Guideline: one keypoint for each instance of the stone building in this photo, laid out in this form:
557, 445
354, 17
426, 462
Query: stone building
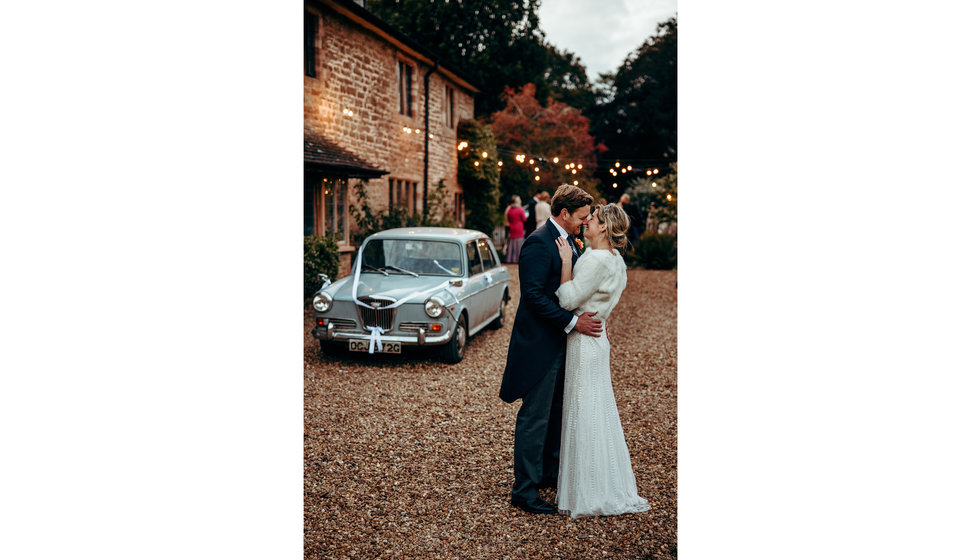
365, 90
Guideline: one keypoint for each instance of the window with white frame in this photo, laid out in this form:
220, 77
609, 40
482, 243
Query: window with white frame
405, 88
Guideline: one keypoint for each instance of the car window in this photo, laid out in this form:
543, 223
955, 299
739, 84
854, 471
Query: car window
476, 266
496, 257
485, 254
406, 256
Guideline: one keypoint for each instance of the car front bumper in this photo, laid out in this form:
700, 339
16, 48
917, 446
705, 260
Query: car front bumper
421, 338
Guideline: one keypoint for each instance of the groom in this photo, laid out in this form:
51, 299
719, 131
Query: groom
535, 369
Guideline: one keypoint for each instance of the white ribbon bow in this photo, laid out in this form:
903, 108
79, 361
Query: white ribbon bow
376, 333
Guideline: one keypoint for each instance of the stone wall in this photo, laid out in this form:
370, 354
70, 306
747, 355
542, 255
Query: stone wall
356, 71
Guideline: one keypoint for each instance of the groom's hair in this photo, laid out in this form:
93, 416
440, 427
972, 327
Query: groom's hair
570, 198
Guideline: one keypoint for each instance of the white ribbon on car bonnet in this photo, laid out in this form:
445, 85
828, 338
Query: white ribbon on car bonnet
420, 293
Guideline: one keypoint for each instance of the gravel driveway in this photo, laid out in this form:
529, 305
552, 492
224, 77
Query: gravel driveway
408, 457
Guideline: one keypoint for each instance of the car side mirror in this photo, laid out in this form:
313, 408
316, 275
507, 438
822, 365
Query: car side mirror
325, 279
456, 283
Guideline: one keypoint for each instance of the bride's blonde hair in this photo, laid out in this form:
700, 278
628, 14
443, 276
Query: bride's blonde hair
617, 224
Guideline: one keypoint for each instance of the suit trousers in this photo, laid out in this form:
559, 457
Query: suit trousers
537, 433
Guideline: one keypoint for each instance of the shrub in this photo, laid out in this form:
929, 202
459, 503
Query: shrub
320, 255
655, 251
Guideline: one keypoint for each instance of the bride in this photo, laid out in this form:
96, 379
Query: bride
595, 476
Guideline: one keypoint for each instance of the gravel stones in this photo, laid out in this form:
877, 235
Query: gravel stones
408, 457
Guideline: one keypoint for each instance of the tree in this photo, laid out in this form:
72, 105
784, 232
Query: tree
636, 116
494, 43
479, 176
540, 134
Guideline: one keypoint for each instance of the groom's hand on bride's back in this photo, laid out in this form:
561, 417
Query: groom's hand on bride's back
588, 324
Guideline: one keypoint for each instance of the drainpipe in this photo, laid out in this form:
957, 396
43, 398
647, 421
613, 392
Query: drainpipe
425, 173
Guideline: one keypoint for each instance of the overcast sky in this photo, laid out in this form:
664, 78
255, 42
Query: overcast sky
602, 32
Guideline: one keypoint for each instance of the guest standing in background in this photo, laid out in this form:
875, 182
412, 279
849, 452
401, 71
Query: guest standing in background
531, 217
515, 230
542, 210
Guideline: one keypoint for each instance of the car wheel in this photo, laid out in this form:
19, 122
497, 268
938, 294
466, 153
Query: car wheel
456, 347
325, 347
498, 323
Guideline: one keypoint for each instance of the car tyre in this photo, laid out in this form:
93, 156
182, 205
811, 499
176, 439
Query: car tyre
498, 323
325, 348
456, 347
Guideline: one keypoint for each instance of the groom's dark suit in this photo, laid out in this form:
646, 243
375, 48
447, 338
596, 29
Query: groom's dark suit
535, 370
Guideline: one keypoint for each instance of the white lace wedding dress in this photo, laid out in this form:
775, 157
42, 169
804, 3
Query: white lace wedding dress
595, 476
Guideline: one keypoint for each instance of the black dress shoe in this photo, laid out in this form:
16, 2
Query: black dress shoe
536, 505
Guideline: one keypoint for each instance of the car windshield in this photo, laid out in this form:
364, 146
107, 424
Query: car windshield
412, 257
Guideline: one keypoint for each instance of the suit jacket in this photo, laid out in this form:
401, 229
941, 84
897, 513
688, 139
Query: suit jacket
538, 338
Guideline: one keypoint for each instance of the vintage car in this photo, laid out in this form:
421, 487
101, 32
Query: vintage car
414, 287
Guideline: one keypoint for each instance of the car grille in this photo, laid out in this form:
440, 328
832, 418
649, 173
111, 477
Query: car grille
383, 318
343, 324
413, 327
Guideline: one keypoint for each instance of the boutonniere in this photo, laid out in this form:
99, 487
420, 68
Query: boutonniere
578, 242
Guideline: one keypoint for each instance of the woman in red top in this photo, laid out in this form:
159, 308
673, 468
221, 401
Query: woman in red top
515, 229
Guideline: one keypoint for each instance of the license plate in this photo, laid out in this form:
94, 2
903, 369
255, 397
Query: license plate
386, 347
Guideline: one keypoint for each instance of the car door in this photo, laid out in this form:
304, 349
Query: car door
477, 285
495, 274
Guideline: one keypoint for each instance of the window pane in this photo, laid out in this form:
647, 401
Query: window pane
342, 210
401, 90
309, 54
485, 255
308, 207
408, 90
476, 267
328, 214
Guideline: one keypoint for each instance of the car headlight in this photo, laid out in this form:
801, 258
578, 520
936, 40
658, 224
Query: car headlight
433, 307
322, 302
